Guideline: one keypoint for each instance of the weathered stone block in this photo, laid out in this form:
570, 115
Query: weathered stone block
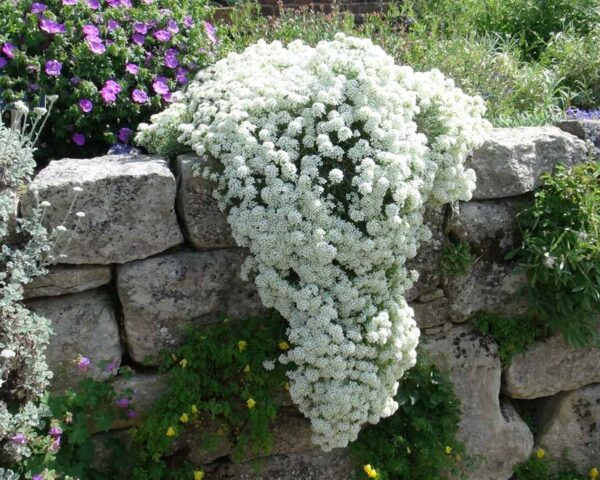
587, 130
144, 389
65, 279
165, 295
128, 201
551, 366
83, 324
511, 160
571, 428
490, 431
205, 226
431, 314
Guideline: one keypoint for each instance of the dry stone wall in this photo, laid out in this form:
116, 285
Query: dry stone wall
154, 255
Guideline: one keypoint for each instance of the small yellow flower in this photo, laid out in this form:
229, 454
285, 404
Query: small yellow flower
283, 345
594, 473
251, 403
194, 409
448, 450
540, 453
286, 386
458, 457
171, 432
198, 475
370, 471
247, 369
183, 363
184, 418
242, 344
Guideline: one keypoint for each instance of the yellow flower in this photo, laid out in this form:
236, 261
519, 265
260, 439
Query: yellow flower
448, 450
198, 475
247, 369
540, 453
458, 457
171, 432
370, 471
283, 346
183, 363
184, 418
242, 344
251, 403
194, 409
594, 473
286, 386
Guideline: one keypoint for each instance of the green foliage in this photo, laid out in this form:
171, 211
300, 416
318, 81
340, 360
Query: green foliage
561, 252
218, 378
419, 441
456, 259
538, 467
85, 72
512, 334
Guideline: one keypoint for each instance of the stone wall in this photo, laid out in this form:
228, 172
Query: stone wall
154, 255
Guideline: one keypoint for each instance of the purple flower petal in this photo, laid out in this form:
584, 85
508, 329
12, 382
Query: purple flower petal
138, 38
95, 45
9, 50
211, 32
51, 27
113, 25
126, 3
160, 85
83, 363
172, 26
132, 68
3, 62
140, 27
37, 7
93, 4
139, 96
86, 105
19, 438
75, 80
171, 61
91, 31
181, 76
69, 2
162, 35
53, 68
188, 21
123, 403
124, 134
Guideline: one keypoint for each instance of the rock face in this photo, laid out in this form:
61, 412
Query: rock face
489, 430
549, 367
128, 203
205, 226
490, 286
512, 160
143, 390
572, 428
588, 130
431, 314
83, 324
65, 279
163, 296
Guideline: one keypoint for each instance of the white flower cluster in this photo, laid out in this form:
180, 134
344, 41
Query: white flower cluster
327, 157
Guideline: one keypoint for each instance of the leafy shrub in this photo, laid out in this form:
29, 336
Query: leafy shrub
456, 259
539, 467
561, 252
418, 441
112, 62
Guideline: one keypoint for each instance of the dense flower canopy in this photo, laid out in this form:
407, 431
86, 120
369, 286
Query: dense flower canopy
324, 159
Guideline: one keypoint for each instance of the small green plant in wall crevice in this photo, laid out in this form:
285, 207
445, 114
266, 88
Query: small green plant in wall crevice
456, 259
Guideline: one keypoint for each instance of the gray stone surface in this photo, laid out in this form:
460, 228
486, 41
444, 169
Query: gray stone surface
489, 227
571, 428
83, 324
143, 389
588, 130
492, 432
65, 279
490, 286
311, 465
129, 203
205, 226
551, 366
163, 296
511, 160
431, 314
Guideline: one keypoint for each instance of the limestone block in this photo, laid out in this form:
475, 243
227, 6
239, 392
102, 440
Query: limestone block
65, 279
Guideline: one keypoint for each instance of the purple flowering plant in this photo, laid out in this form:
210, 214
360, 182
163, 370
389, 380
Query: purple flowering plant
113, 63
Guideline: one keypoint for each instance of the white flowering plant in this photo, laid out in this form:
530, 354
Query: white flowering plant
324, 159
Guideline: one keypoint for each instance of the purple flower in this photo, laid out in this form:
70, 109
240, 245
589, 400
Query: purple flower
210, 31
132, 68
3, 62
131, 414
138, 38
171, 58
38, 7
148, 2
188, 21
19, 438
51, 27
139, 96
162, 35
55, 431
109, 91
123, 403
34, 87
140, 27
167, 97
172, 26
95, 45
124, 134
54, 446
113, 25
69, 2
181, 76
91, 31
38, 476
160, 85
75, 80
86, 105
113, 3
83, 363
93, 4
126, 3
148, 58
111, 367
53, 68
9, 50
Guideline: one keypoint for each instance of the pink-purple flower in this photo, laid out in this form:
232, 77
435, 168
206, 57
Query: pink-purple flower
55, 431
139, 96
19, 438
38, 476
111, 367
188, 21
160, 85
51, 27
123, 403
86, 105
53, 68
3, 62
91, 31
162, 35
38, 7
172, 26
9, 50
83, 363
93, 4
69, 2
131, 414
54, 446
113, 25
138, 38
126, 3
211, 32
124, 134
181, 76
132, 68
109, 91
140, 27
171, 58
95, 45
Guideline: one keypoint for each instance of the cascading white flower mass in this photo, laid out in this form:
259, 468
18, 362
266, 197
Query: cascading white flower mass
325, 159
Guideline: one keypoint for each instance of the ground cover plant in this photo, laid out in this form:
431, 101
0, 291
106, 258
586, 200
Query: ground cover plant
113, 63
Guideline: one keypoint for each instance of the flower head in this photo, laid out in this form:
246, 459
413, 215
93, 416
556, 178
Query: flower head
540, 453
170, 432
109, 91
448, 450
78, 139
160, 85
124, 134
198, 475
19, 438
188, 21
86, 105
171, 58
69, 2
211, 32
370, 471
51, 27
38, 7
194, 409
251, 403
53, 68
172, 26
139, 96
184, 418
162, 35
242, 344
83, 363
283, 346
3, 62
138, 38
55, 430
132, 68
594, 473
93, 4
9, 50
123, 403
95, 45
